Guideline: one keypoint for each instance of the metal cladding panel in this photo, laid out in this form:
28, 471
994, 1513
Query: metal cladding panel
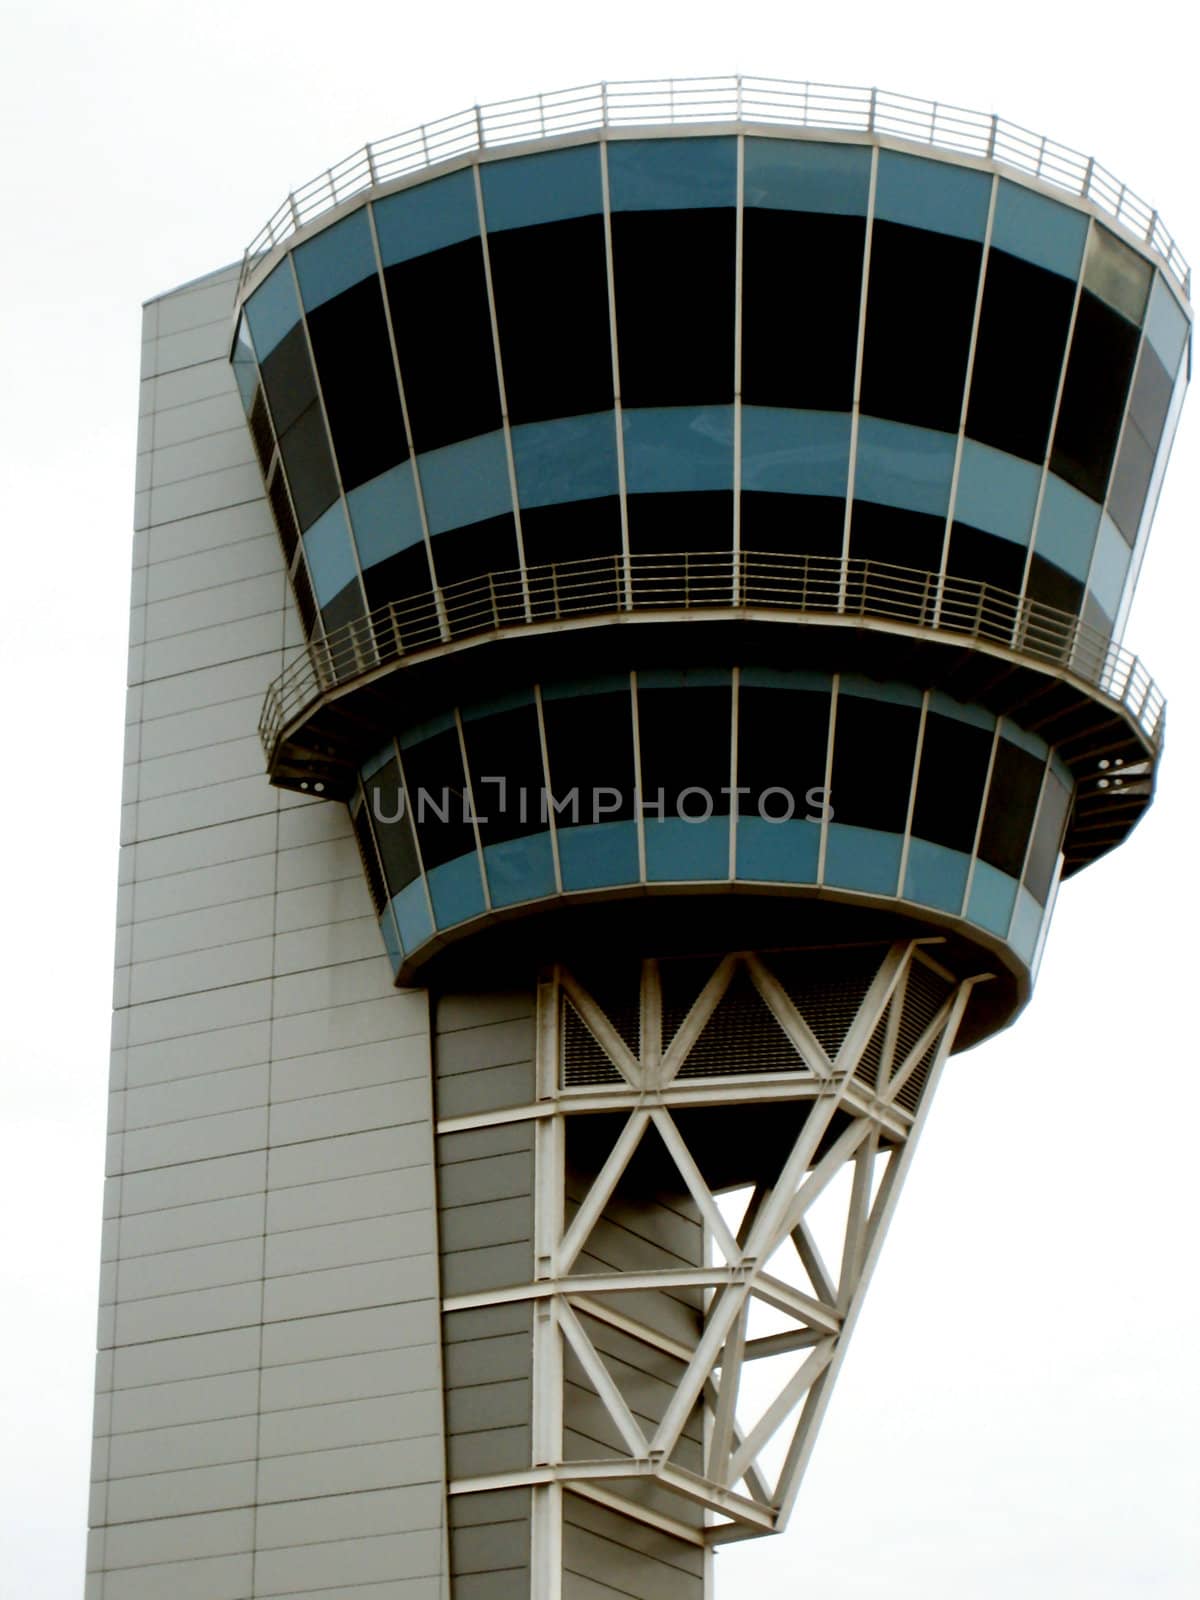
269, 1395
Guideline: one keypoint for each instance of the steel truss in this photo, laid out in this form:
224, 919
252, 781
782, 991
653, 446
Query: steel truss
867, 1082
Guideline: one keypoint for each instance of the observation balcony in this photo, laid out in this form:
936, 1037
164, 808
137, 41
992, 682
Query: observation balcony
1046, 669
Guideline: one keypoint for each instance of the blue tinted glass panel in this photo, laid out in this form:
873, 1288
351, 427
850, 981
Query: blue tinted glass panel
785, 678
1110, 563
777, 852
465, 483
412, 915
574, 458
680, 850
996, 492
384, 515
335, 260
929, 194
1166, 325
992, 896
795, 452
1117, 274
862, 858
1038, 230
1066, 528
900, 694
427, 218
672, 174
456, 890
245, 369
1029, 742
542, 188
974, 715
391, 939
597, 854
520, 869
273, 310
902, 466
678, 447
421, 731
1026, 923
935, 876
798, 175
330, 554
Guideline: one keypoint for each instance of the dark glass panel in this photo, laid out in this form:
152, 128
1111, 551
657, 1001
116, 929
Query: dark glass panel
358, 382
1047, 838
792, 525
1093, 401
404, 580
345, 607
873, 747
305, 603
782, 739
1011, 805
444, 340
260, 429
700, 523
393, 830
1023, 327
1051, 586
674, 274
285, 522
288, 379
480, 551
801, 290
984, 558
367, 855
589, 741
550, 284
920, 308
954, 764
1131, 481
685, 744
437, 798
886, 538
1151, 398
581, 539
309, 466
504, 754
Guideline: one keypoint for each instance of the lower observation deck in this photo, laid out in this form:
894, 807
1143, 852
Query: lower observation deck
1046, 669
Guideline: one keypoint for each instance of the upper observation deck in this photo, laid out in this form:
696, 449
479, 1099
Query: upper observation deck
725, 379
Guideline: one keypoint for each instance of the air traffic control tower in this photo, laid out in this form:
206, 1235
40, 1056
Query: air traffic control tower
711, 511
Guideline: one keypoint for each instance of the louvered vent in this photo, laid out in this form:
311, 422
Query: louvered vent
260, 430
742, 1035
583, 1061
827, 989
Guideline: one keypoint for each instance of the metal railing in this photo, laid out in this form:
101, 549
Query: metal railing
679, 101
817, 586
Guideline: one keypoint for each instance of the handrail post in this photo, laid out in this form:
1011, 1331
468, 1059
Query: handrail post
871, 110
993, 132
491, 577
479, 125
371, 170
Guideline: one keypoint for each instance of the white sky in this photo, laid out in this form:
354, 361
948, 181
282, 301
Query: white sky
1019, 1411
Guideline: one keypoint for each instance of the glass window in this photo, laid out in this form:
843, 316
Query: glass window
392, 825
792, 264
589, 740
1110, 564
573, 458
1166, 324
892, 536
522, 191
873, 748
384, 515
929, 194
504, 754
920, 310
288, 379
1047, 838
996, 492
950, 784
335, 260
429, 217
901, 466
309, 465
1011, 805
273, 310
550, 285
678, 447
366, 850
795, 452
1019, 350
443, 329
672, 174
1117, 275
684, 732
978, 557
1066, 529
674, 275
353, 356
465, 482
1037, 229
783, 735
1093, 399
330, 555
281, 508
245, 367
437, 798
802, 175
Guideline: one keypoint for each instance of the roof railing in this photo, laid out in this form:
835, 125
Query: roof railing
800, 584
680, 101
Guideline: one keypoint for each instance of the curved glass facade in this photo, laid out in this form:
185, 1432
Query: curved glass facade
712, 777
601, 348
